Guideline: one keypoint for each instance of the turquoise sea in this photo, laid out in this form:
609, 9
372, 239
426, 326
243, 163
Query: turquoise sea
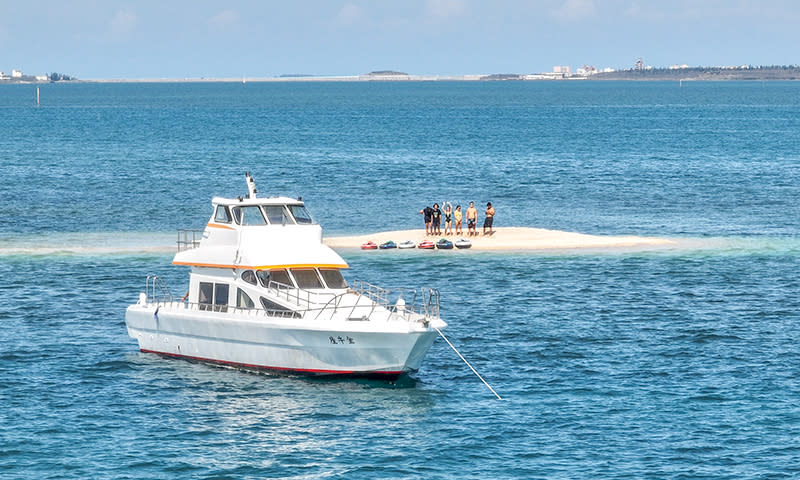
680, 362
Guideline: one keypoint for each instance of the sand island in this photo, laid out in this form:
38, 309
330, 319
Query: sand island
508, 238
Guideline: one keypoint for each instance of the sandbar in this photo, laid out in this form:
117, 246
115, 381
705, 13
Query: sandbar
508, 238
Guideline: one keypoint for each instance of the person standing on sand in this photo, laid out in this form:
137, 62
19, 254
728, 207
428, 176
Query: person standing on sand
472, 219
436, 218
489, 218
427, 212
457, 214
448, 220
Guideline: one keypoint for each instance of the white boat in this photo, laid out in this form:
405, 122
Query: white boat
265, 293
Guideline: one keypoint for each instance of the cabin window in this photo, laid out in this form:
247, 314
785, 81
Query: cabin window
213, 296
250, 277
333, 277
306, 278
223, 215
277, 308
277, 215
279, 276
252, 216
206, 297
301, 215
221, 297
243, 300
237, 214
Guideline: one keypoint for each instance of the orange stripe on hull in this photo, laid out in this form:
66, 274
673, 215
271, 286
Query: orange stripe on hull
224, 227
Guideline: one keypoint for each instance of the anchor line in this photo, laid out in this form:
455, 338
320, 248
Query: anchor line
468, 364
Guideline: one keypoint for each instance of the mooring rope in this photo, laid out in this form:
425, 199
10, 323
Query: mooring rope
465, 361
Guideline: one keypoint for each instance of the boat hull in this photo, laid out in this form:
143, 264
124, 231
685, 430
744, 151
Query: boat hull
257, 342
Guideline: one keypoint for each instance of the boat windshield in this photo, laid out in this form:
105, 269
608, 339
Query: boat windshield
279, 276
250, 215
301, 215
333, 278
222, 215
277, 215
306, 278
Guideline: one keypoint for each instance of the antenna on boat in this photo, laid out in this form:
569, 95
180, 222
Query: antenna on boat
251, 185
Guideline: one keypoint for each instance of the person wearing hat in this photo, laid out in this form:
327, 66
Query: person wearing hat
487, 223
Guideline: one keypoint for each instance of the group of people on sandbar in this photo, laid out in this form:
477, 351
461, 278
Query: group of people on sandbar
433, 219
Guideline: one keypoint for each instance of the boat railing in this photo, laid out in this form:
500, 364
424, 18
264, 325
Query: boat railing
307, 299
401, 303
423, 301
189, 239
298, 296
157, 290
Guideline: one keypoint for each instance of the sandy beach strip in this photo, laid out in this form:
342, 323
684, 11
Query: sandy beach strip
507, 238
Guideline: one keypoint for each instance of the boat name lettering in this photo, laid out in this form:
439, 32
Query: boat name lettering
340, 340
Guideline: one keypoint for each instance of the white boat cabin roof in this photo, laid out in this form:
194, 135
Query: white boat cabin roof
232, 202
260, 234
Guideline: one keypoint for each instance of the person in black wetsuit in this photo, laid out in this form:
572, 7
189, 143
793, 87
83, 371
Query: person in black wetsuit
427, 213
436, 220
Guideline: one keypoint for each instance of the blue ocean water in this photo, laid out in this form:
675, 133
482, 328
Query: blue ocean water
677, 362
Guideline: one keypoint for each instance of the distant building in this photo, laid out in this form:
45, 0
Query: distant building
678, 67
562, 69
42, 78
16, 74
639, 65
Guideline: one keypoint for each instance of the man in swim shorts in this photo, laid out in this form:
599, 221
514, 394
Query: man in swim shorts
436, 220
472, 219
487, 223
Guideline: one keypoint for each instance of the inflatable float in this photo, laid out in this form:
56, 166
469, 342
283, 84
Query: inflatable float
444, 244
462, 243
426, 245
369, 246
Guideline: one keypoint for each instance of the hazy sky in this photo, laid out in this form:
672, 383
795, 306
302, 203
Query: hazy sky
261, 38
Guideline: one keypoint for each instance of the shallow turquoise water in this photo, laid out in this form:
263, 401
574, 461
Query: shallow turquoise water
677, 362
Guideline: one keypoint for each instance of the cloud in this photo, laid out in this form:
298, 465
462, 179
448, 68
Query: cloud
122, 24
350, 14
224, 20
445, 8
574, 10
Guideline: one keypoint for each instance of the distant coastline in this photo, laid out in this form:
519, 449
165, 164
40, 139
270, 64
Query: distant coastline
742, 73
791, 72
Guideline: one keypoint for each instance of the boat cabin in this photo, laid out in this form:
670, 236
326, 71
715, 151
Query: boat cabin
261, 254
